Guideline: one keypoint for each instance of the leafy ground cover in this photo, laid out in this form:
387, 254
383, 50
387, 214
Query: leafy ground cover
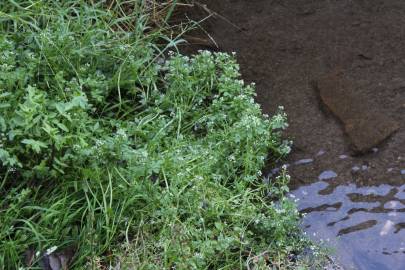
115, 151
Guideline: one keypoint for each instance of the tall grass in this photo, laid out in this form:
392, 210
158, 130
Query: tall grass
119, 153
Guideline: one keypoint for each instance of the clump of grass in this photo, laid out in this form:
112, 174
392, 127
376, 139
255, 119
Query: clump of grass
109, 148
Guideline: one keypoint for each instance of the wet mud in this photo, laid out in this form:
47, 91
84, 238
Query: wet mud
348, 175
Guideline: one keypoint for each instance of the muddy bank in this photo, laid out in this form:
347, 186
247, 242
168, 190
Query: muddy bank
286, 47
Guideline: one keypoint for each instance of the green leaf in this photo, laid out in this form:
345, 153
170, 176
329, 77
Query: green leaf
7, 159
61, 126
79, 101
3, 125
35, 145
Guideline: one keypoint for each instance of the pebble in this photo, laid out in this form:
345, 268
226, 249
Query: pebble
320, 153
325, 175
355, 168
304, 161
343, 156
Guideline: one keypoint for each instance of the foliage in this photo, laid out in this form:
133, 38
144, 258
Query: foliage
108, 144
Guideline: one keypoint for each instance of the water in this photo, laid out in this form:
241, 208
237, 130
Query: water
365, 225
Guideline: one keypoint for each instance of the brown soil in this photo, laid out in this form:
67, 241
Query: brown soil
287, 47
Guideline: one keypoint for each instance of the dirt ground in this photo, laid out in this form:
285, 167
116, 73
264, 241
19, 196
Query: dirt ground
287, 46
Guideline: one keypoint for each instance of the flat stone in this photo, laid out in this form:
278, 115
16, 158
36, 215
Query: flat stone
356, 169
320, 153
364, 167
365, 123
325, 175
304, 161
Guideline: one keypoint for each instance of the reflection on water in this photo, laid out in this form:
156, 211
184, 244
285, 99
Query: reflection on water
366, 225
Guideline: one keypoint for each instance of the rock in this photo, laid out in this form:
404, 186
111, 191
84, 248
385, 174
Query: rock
355, 168
29, 256
304, 161
364, 167
365, 123
54, 262
320, 153
325, 175
57, 260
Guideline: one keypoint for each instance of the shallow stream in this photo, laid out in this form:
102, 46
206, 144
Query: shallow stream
365, 225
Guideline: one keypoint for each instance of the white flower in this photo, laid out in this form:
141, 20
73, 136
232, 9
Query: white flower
284, 167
